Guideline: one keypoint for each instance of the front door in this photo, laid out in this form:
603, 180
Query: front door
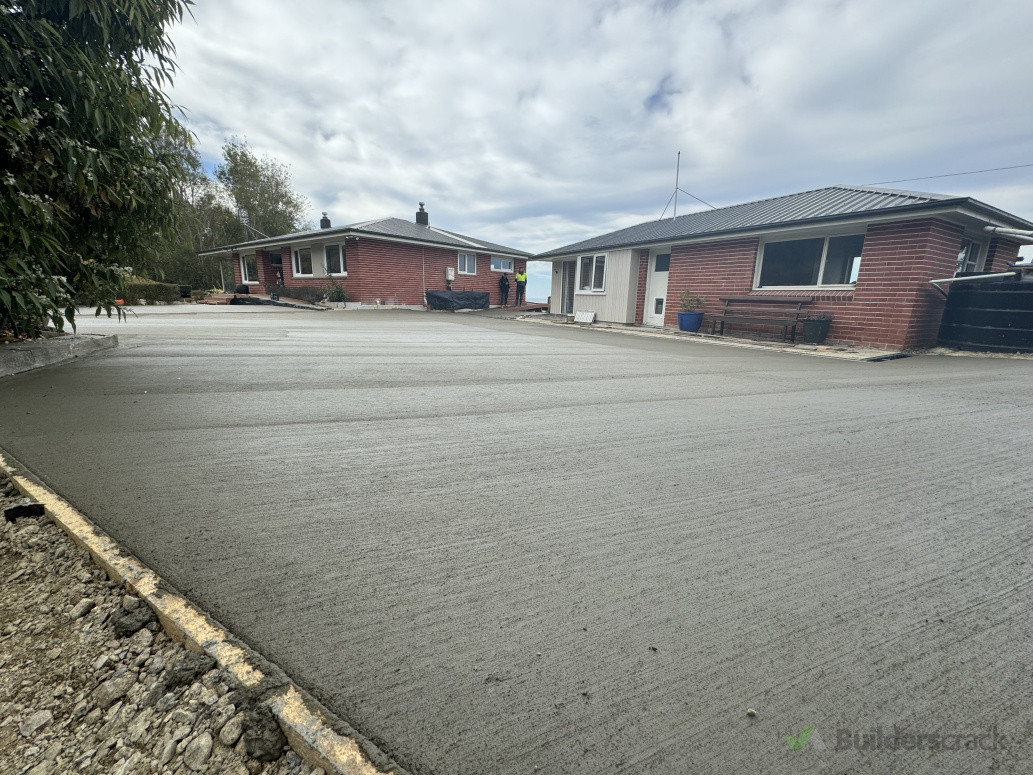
656, 288
567, 288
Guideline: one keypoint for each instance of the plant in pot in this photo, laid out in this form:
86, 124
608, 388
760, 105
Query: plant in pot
816, 327
691, 316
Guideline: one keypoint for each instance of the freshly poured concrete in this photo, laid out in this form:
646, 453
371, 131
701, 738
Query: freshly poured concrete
492, 546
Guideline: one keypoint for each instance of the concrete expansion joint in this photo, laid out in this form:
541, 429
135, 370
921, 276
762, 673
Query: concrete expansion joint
305, 723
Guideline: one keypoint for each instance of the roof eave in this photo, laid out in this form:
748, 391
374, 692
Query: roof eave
349, 231
956, 204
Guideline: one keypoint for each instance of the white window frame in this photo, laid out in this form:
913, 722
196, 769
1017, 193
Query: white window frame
591, 290
502, 264
758, 265
981, 252
344, 263
244, 278
296, 264
465, 259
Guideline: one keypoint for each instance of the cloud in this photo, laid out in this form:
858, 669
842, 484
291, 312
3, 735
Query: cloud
539, 123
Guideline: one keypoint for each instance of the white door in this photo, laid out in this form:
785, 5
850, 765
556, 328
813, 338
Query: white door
656, 288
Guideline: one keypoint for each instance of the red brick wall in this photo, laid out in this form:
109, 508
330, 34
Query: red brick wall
1000, 252
394, 272
710, 269
892, 306
266, 274
290, 281
640, 297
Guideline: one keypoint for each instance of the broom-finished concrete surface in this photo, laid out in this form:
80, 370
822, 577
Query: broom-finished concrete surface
493, 547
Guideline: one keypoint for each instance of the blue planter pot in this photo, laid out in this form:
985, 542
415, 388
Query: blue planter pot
690, 321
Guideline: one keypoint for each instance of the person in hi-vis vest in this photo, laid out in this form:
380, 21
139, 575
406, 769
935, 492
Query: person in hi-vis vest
521, 281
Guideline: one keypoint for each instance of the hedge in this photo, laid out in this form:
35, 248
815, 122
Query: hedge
151, 292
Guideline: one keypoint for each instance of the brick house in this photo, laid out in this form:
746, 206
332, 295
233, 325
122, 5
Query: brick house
864, 255
388, 261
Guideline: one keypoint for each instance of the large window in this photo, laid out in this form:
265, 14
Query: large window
811, 262
591, 274
249, 269
302, 262
334, 261
501, 264
969, 257
467, 263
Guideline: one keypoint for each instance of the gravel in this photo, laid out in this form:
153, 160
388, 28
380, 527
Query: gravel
78, 660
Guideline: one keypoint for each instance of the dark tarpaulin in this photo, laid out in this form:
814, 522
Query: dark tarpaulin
454, 300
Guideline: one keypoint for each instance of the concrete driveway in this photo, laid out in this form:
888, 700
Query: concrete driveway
496, 547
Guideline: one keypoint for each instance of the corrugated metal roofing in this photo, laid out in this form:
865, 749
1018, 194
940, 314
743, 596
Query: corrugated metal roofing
385, 227
819, 204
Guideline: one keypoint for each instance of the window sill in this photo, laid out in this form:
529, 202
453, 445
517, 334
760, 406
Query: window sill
503, 271
337, 274
302, 275
589, 293
811, 288
467, 274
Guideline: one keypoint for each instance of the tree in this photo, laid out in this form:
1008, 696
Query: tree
259, 192
90, 154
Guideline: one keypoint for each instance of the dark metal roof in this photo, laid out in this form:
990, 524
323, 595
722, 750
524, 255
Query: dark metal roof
395, 228
822, 204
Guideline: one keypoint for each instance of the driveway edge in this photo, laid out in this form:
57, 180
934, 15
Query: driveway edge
302, 718
26, 356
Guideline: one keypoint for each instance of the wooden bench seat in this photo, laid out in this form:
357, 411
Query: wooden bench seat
784, 311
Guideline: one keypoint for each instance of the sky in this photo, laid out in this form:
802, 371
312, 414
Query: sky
539, 123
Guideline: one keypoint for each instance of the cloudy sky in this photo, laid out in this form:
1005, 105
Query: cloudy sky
539, 123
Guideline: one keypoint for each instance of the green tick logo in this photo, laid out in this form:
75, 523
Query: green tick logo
799, 742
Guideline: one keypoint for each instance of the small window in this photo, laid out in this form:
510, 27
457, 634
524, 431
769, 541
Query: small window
275, 257
334, 260
662, 262
968, 257
501, 264
658, 306
467, 263
303, 261
249, 269
592, 273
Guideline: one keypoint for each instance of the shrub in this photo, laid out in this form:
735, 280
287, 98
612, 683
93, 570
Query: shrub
271, 289
151, 292
691, 302
335, 292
